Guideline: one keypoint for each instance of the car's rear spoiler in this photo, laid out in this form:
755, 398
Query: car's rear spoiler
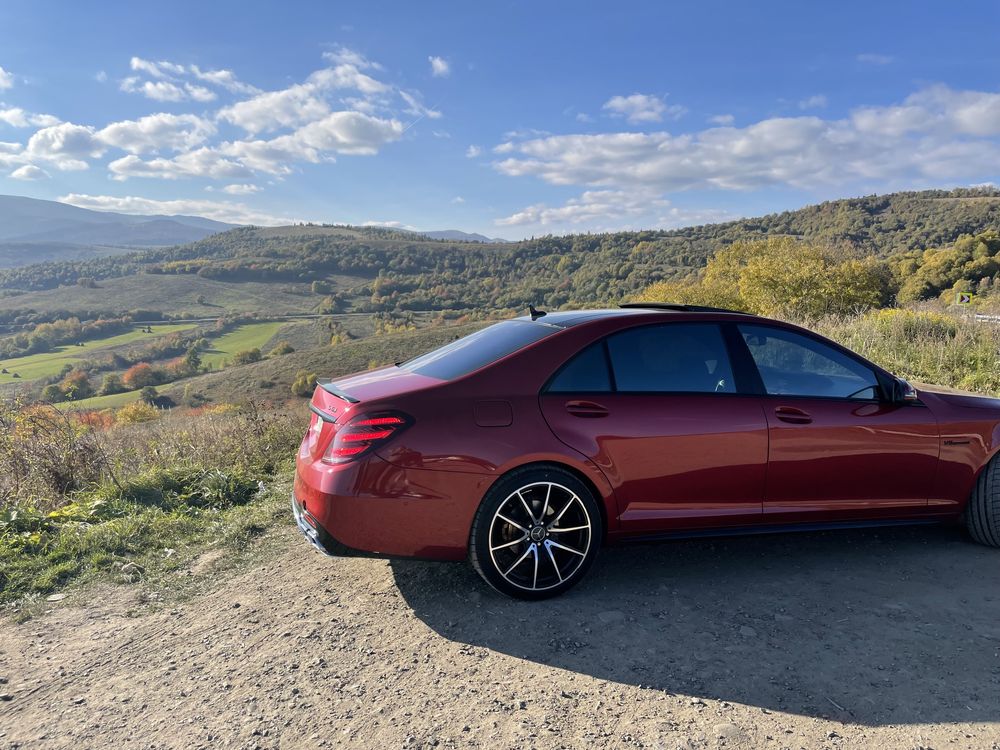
333, 390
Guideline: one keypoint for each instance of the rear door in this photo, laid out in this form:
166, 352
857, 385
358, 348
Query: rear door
837, 448
658, 409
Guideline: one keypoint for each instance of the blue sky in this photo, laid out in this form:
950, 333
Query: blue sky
510, 119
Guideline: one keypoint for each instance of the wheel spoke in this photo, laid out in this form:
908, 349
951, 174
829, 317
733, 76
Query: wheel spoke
568, 549
520, 560
515, 524
545, 508
508, 544
568, 528
555, 565
526, 507
534, 582
563, 511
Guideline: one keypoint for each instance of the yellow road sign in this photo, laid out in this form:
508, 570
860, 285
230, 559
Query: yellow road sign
964, 298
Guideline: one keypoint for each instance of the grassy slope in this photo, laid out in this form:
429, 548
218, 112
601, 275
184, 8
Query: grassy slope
50, 363
250, 336
175, 295
101, 402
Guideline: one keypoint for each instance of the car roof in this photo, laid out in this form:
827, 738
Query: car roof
570, 318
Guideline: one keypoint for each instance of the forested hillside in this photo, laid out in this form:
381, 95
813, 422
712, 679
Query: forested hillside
370, 269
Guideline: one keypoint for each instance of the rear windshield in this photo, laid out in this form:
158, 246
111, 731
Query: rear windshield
478, 349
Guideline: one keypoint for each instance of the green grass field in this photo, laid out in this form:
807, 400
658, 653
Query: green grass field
47, 364
249, 336
100, 402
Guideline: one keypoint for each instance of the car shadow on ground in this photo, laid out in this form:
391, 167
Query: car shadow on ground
894, 626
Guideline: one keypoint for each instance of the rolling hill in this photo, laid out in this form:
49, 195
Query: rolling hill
32, 230
320, 268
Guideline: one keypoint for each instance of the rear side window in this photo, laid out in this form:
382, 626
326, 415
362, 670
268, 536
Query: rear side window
586, 373
478, 349
671, 358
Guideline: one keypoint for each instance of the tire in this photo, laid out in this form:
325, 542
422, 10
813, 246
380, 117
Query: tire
982, 514
536, 533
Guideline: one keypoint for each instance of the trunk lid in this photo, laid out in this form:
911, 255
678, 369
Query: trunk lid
343, 396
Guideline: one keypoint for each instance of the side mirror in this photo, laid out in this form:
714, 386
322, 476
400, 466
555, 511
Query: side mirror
904, 392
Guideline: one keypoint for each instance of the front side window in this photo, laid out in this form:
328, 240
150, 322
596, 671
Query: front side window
791, 364
671, 358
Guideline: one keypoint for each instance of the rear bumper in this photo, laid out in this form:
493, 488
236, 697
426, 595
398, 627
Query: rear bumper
319, 537
376, 509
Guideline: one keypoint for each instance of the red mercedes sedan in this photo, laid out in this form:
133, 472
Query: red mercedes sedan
526, 446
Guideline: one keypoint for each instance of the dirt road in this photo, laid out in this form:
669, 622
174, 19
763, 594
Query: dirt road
887, 639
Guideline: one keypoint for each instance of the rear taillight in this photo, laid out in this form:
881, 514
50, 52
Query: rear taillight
363, 434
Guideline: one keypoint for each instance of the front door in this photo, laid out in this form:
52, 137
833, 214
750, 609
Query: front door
837, 448
657, 408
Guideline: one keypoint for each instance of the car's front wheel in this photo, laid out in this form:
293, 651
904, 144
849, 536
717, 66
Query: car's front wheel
982, 514
536, 533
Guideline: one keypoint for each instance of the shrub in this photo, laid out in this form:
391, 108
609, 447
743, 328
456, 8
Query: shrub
112, 384
53, 394
282, 347
247, 356
305, 383
140, 375
148, 395
76, 385
137, 413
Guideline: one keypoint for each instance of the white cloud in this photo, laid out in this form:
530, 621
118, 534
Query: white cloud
29, 172
643, 108
156, 69
172, 81
874, 59
18, 118
6, 79
200, 93
161, 91
343, 55
440, 68
416, 108
235, 213
241, 189
67, 146
593, 205
11, 154
583, 117
723, 120
817, 101
350, 133
473, 151
101, 76
157, 132
936, 135
272, 110
225, 79
458, 199
346, 76
202, 162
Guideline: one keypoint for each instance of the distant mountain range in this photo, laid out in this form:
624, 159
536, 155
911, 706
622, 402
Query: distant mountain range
457, 236
35, 231
38, 231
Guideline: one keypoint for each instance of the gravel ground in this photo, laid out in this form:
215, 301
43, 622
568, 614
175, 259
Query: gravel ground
887, 639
